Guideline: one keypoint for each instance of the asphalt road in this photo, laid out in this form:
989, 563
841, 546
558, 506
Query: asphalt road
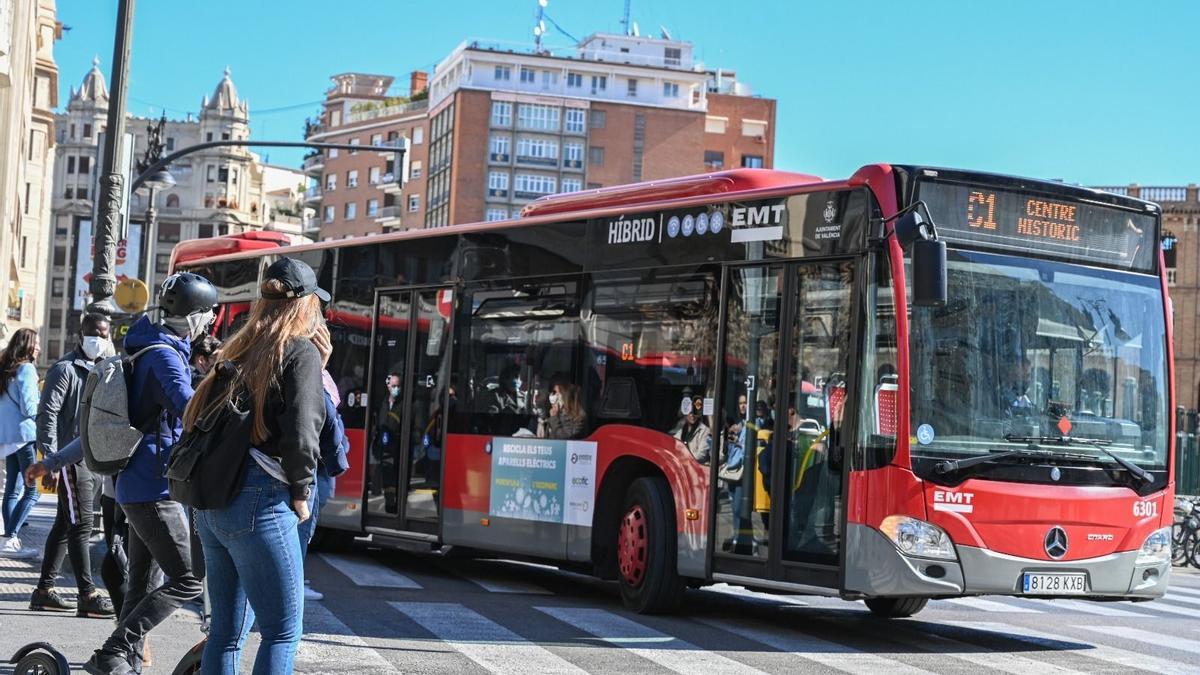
389, 612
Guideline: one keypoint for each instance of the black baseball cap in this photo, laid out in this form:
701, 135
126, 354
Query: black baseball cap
297, 277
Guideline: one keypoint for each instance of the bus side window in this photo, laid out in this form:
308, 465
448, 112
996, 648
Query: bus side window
515, 344
651, 344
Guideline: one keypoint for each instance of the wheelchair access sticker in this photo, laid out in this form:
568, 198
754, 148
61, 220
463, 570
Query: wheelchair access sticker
925, 434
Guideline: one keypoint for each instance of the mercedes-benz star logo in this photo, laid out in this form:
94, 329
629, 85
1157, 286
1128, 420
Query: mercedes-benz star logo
1056, 543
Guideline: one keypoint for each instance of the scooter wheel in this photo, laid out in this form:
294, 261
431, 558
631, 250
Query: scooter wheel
37, 663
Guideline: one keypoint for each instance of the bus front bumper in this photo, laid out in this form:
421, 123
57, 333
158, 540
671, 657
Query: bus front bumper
875, 568
1116, 575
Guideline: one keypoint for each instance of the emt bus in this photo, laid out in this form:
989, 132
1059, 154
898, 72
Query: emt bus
769, 402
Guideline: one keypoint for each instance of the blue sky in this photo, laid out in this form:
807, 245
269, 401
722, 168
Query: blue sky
1098, 92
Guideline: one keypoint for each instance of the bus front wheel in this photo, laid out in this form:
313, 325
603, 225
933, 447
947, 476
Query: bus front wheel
646, 539
895, 608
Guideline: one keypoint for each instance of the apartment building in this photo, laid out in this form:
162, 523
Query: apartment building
28, 96
500, 127
358, 193
217, 191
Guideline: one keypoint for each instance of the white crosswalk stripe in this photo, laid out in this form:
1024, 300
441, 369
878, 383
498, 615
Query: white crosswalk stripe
1160, 607
829, 654
1112, 655
363, 572
1185, 590
1150, 637
980, 656
665, 650
994, 606
1176, 595
492, 646
329, 646
1097, 608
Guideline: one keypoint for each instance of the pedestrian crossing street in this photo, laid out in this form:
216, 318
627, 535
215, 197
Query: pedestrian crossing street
506, 617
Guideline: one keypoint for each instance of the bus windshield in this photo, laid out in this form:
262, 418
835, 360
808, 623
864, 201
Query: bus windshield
1039, 350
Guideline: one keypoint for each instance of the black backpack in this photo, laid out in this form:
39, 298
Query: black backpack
207, 467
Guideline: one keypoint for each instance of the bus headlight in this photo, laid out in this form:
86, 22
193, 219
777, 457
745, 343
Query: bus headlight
1157, 548
918, 538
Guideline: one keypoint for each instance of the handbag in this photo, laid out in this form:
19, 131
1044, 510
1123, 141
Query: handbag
207, 468
730, 475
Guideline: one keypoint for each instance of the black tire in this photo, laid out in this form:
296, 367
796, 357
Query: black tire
1192, 548
1179, 540
37, 663
895, 608
190, 663
646, 567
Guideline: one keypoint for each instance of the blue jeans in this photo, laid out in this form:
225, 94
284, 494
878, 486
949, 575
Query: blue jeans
18, 499
322, 491
253, 566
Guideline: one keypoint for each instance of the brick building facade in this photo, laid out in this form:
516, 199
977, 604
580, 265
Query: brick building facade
497, 128
1181, 248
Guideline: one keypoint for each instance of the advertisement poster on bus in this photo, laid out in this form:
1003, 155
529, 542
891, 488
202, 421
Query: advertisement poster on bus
545, 480
126, 264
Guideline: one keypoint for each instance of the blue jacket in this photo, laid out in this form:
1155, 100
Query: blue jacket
18, 406
159, 389
334, 445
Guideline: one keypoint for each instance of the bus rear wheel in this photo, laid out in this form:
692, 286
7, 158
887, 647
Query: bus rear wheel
646, 539
895, 608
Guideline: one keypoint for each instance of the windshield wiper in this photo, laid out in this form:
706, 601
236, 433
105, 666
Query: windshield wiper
1137, 471
952, 465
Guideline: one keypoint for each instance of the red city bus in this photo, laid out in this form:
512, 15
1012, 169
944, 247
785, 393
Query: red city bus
756, 398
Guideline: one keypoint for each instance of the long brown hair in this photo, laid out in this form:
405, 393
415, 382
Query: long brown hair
257, 350
571, 405
18, 352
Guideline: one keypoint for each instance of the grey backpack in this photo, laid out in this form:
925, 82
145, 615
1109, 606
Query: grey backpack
105, 432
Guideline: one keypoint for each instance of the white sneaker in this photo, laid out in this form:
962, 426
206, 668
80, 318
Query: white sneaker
12, 549
310, 594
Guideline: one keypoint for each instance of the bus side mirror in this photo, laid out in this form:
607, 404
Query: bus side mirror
929, 273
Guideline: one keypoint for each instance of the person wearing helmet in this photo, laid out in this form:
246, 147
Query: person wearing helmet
160, 387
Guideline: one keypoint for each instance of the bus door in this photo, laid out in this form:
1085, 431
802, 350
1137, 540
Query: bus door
409, 375
787, 336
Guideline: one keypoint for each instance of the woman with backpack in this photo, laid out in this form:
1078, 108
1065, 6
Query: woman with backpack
18, 435
272, 367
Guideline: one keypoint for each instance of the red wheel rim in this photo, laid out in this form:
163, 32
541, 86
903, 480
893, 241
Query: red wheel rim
631, 546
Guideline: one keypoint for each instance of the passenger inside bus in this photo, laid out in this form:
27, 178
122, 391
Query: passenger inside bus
566, 418
386, 445
692, 431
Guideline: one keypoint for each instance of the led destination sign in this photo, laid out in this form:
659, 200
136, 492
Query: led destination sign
1024, 222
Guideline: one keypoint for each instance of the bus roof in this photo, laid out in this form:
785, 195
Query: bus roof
672, 192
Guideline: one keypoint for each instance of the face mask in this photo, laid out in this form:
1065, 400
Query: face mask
394, 391
94, 346
555, 399
198, 323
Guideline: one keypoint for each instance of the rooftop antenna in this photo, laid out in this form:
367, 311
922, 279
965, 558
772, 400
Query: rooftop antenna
539, 29
665, 33
625, 18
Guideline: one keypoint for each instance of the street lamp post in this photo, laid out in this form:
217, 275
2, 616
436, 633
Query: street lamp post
108, 220
159, 180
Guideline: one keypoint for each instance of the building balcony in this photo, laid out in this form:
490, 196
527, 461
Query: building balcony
314, 164
572, 164
389, 216
389, 186
312, 195
374, 111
